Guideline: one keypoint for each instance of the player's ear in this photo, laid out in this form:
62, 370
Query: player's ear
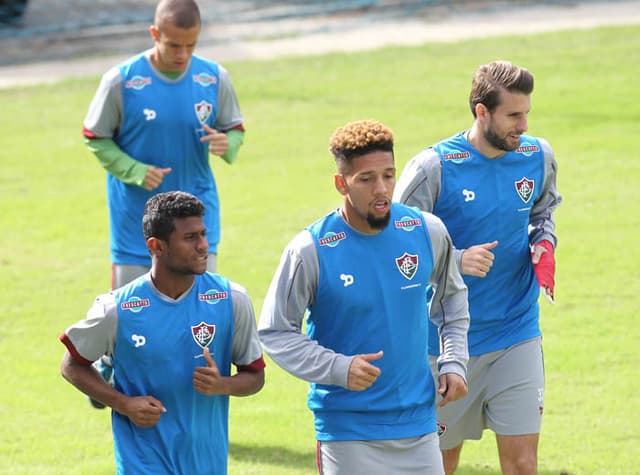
481, 111
155, 33
157, 247
340, 184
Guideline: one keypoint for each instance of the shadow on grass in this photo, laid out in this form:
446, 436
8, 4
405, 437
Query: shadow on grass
282, 456
273, 455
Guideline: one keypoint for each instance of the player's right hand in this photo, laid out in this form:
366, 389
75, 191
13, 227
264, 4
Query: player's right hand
477, 260
363, 374
154, 177
144, 411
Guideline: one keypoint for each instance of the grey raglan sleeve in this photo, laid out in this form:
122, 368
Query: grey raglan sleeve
449, 309
245, 348
229, 115
290, 293
96, 334
541, 223
104, 116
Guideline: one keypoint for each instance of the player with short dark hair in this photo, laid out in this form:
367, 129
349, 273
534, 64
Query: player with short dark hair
152, 124
495, 190
363, 275
172, 336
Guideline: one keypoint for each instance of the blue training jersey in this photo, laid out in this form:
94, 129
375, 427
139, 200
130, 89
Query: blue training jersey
162, 126
395, 266
159, 343
482, 200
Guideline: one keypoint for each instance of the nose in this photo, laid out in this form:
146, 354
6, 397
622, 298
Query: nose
522, 125
203, 243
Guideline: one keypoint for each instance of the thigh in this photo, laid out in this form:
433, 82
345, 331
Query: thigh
411, 456
464, 419
515, 400
123, 274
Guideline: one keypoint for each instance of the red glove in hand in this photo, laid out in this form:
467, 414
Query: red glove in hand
544, 265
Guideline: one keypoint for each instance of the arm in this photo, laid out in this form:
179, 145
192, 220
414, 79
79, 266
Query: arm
103, 119
449, 311
229, 119
419, 186
246, 354
542, 238
541, 222
88, 340
291, 291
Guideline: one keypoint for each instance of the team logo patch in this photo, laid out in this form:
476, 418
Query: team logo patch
213, 296
456, 156
441, 429
407, 264
407, 223
203, 334
204, 79
203, 110
137, 82
332, 239
135, 304
525, 188
527, 149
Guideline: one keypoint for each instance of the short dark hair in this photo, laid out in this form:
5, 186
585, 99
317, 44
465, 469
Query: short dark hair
184, 14
489, 79
359, 138
162, 209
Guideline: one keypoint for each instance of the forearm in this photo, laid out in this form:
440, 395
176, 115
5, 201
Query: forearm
117, 162
235, 138
87, 380
297, 354
245, 383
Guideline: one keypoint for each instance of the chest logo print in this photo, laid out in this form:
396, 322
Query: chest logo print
203, 110
203, 334
469, 195
407, 264
347, 279
525, 188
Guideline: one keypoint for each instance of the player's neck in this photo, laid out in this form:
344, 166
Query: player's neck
475, 137
169, 283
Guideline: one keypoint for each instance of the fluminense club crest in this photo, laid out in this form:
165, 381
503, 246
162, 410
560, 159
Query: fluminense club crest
407, 265
203, 334
203, 110
525, 188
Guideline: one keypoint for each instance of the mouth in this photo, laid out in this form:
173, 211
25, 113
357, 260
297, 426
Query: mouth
381, 206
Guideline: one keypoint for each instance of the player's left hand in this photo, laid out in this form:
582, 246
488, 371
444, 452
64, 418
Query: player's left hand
452, 387
207, 379
544, 265
218, 142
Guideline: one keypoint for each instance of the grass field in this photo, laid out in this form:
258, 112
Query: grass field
54, 241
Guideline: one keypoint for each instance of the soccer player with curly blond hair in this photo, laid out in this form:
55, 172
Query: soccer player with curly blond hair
363, 275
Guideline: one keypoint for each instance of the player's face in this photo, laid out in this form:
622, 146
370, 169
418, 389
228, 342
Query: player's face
187, 248
173, 46
367, 190
507, 122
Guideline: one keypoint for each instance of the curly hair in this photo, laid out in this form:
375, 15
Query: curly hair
359, 138
163, 209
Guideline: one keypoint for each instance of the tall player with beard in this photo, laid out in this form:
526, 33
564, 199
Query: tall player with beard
362, 274
495, 190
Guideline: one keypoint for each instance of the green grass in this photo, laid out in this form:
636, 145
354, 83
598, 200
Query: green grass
54, 241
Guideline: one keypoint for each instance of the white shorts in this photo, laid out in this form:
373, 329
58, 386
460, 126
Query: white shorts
411, 456
506, 395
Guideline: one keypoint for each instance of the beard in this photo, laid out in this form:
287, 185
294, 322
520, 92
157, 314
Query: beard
378, 223
498, 142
